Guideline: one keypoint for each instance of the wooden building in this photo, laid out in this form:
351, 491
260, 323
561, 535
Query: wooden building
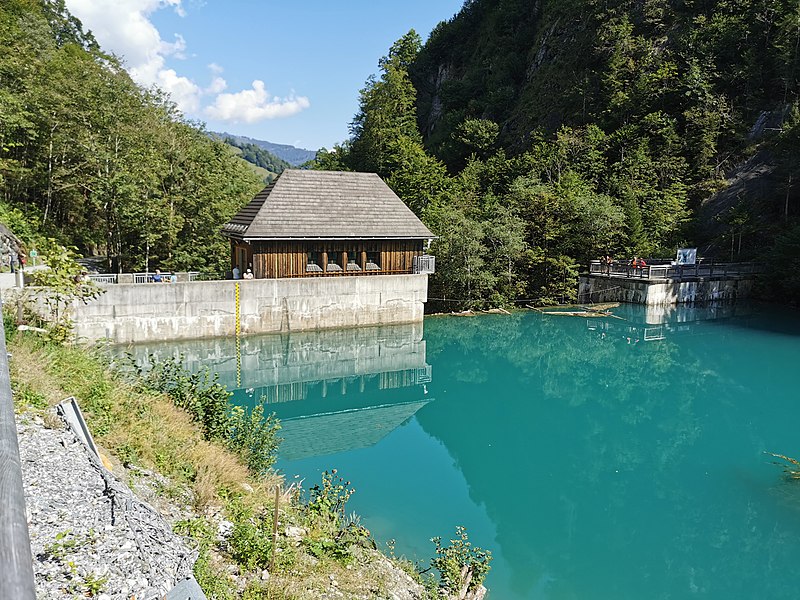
327, 224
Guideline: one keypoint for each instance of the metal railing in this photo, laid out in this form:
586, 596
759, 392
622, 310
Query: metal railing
425, 264
103, 278
671, 271
112, 278
16, 563
148, 277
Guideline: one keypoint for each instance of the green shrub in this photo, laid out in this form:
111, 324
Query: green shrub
253, 437
25, 397
200, 394
328, 500
451, 560
251, 538
249, 435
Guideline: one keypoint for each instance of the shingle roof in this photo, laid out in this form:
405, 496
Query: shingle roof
326, 205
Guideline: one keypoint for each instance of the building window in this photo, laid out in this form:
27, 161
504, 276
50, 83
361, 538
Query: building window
373, 261
353, 258
312, 262
333, 262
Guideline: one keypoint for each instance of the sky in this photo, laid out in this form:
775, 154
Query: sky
285, 72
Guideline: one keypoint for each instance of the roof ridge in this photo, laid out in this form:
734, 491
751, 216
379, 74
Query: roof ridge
301, 203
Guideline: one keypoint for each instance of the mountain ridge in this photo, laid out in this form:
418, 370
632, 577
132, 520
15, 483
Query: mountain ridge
291, 154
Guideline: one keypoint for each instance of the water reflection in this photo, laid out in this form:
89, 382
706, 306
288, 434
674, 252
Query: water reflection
637, 324
624, 470
592, 465
333, 391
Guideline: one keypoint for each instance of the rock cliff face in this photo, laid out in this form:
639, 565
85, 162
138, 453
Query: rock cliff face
518, 63
711, 85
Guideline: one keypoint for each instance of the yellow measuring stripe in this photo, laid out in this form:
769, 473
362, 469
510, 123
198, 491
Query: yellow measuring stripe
238, 345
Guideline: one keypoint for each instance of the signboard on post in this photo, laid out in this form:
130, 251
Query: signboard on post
686, 256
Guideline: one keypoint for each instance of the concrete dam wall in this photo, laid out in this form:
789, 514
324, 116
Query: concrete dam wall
129, 313
655, 292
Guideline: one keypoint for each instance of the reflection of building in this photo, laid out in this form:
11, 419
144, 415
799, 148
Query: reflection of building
662, 321
332, 390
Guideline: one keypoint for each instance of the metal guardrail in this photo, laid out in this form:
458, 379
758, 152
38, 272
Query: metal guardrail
671, 271
425, 264
112, 278
104, 278
16, 563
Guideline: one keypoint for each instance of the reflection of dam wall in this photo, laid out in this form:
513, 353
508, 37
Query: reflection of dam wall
658, 322
301, 357
333, 390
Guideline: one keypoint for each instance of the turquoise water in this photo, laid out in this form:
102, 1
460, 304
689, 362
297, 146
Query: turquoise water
596, 458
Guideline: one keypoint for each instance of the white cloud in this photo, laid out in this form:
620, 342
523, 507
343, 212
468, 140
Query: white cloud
218, 84
253, 105
124, 28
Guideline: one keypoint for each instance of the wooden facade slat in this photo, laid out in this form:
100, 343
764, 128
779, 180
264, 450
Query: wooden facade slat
276, 259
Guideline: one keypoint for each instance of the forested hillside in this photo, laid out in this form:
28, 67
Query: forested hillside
93, 160
268, 166
291, 154
533, 136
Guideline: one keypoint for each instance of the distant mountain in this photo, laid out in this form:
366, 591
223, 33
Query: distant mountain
293, 156
265, 164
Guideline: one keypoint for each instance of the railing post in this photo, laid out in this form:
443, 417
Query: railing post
16, 563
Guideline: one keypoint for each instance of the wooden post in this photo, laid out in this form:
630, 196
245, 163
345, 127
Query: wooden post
16, 563
275, 528
324, 261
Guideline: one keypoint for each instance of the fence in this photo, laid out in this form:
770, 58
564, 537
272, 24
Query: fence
112, 278
16, 565
425, 264
660, 269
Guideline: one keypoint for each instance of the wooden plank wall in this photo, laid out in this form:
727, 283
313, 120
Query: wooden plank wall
289, 259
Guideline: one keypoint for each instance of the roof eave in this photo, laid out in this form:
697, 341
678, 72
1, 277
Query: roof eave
338, 237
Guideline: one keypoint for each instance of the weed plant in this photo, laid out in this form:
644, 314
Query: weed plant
460, 561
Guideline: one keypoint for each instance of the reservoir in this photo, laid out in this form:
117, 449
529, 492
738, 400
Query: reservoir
618, 457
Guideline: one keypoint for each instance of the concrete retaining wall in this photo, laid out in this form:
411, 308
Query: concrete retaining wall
161, 311
593, 288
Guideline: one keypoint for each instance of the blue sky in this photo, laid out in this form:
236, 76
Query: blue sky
279, 71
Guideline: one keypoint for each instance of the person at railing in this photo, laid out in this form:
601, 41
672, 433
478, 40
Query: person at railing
248, 274
156, 277
642, 266
609, 263
632, 266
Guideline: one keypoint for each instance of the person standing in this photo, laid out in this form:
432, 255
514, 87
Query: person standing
237, 274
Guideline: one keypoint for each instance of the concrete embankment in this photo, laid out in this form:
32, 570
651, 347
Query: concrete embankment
128, 313
657, 292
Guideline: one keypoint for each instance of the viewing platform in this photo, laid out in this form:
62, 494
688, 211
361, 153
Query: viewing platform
663, 282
